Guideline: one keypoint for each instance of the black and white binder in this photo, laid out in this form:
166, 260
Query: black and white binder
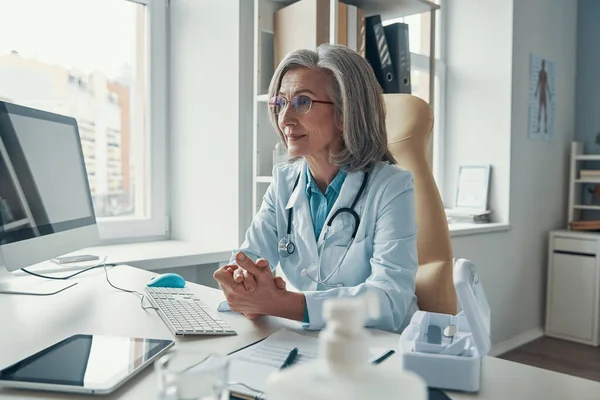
398, 44
378, 54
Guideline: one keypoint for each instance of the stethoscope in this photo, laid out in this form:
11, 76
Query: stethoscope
287, 247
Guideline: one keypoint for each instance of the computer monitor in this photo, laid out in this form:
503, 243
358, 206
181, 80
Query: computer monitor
46, 207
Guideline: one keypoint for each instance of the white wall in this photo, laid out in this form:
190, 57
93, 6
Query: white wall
204, 122
478, 51
488, 75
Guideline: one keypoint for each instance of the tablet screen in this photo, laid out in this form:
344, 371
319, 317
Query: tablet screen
86, 361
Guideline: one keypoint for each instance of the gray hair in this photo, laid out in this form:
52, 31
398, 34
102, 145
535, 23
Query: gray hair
357, 98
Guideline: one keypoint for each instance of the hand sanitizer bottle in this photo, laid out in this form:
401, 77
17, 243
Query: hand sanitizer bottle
343, 370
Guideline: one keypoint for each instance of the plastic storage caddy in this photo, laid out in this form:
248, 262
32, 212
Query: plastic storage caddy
446, 350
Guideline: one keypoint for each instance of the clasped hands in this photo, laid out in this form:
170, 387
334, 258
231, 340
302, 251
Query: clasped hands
250, 287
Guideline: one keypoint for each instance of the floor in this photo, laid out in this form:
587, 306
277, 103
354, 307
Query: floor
560, 356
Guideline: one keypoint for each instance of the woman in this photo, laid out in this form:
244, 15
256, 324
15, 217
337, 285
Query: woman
328, 109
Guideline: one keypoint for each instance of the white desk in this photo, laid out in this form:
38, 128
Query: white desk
28, 324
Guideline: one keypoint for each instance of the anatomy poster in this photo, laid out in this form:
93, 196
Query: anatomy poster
541, 98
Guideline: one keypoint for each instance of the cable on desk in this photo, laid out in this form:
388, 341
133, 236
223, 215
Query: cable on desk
140, 295
100, 265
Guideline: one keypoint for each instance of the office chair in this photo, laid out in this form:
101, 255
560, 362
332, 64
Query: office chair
409, 123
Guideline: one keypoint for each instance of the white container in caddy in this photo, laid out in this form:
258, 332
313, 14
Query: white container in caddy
447, 350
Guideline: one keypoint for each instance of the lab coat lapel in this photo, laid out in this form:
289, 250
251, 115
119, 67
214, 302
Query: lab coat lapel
349, 191
301, 219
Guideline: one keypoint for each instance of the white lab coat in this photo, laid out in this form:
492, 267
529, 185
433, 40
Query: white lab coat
381, 260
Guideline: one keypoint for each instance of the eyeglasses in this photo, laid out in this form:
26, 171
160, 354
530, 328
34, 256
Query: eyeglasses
301, 104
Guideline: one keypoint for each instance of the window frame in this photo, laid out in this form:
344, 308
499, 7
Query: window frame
420, 62
153, 172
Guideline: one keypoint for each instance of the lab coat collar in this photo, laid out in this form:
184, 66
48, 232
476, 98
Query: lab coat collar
297, 192
349, 189
301, 220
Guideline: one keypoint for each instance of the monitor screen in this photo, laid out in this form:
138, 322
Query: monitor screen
43, 180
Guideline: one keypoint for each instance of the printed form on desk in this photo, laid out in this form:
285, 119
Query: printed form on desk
252, 365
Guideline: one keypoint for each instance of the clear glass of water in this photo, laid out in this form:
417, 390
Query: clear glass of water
191, 375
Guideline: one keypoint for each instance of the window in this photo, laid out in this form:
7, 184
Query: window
90, 59
419, 26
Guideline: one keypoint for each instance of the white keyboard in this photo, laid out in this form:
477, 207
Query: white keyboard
185, 314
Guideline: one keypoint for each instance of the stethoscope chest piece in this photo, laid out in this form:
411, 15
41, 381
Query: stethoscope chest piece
286, 247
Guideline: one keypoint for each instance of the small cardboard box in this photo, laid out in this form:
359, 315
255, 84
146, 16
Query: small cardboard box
454, 361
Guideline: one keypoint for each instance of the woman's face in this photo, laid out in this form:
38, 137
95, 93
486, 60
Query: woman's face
315, 133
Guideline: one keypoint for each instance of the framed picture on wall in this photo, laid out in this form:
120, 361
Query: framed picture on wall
473, 187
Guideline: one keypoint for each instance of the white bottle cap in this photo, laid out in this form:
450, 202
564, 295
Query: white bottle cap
343, 342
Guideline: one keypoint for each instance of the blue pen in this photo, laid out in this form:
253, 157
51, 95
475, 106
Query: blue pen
290, 358
384, 357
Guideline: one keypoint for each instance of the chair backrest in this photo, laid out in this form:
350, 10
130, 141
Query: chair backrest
409, 123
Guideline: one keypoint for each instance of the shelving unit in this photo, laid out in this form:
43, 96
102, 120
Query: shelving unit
578, 191
263, 136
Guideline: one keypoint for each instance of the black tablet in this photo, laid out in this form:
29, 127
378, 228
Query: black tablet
91, 364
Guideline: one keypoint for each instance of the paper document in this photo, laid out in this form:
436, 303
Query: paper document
253, 365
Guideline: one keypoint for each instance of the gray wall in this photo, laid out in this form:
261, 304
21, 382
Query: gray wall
588, 74
489, 43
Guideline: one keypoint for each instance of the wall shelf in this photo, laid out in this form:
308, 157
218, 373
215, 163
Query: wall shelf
587, 181
585, 207
587, 157
394, 8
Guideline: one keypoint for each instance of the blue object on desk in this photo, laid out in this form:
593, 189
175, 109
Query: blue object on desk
169, 280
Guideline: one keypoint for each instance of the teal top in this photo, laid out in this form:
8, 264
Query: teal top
320, 205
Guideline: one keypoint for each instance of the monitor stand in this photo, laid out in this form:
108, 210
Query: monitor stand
10, 284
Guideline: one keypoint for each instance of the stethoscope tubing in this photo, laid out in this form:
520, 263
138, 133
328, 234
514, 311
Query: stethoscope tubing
287, 246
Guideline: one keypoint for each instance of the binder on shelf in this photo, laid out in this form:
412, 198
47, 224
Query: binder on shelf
378, 54
397, 35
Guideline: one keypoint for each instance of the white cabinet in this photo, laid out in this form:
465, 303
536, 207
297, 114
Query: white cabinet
572, 297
